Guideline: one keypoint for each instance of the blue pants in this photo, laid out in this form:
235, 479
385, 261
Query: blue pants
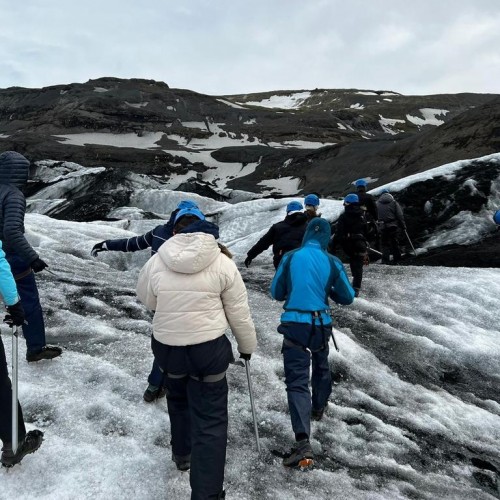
156, 376
297, 362
34, 326
6, 404
198, 409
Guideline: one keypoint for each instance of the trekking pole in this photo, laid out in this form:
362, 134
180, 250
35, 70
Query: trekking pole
411, 244
250, 390
335, 343
15, 437
373, 250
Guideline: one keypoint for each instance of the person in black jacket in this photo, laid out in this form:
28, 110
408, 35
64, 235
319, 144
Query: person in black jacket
23, 260
366, 200
283, 236
152, 239
350, 235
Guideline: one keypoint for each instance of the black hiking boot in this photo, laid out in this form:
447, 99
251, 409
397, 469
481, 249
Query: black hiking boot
318, 414
183, 463
47, 352
301, 456
153, 392
29, 444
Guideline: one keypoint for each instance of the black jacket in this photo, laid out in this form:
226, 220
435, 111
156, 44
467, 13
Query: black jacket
368, 202
350, 232
283, 236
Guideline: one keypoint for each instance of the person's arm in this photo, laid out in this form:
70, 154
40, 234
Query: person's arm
263, 244
14, 209
400, 216
235, 302
8, 288
341, 291
144, 289
130, 244
279, 289
372, 209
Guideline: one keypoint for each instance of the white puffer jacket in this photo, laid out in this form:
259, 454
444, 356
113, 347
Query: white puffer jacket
196, 293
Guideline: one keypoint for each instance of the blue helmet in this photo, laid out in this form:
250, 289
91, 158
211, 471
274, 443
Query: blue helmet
189, 211
360, 182
186, 204
385, 190
496, 217
351, 198
294, 206
312, 200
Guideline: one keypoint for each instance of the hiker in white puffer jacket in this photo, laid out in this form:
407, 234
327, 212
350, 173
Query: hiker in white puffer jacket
196, 292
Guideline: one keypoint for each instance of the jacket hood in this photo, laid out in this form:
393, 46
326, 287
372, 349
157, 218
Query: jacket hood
353, 209
386, 198
318, 229
296, 219
202, 226
189, 253
14, 169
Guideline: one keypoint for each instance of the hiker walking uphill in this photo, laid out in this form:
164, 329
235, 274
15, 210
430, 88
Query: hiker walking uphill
196, 292
283, 236
22, 258
351, 236
311, 202
391, 222
152, 239
305, 279
366, 200
31, 441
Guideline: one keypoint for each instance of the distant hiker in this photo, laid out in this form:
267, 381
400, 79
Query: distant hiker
23, 260
351, 235
283, 236
366, 201
31, 441
305, 279
152, 239
391, 222
311, 202
196, 292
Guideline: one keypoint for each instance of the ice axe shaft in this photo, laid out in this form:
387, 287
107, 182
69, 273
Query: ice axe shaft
15, 342
250, 390
411, 244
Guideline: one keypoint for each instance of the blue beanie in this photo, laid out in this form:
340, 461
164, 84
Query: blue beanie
385, 190
351, 198
311, 200
294, 206
186, 204
496, 217
189, 211
360, 182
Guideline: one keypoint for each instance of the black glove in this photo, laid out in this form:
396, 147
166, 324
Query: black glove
38, 265
16, 314
248, 261
98, 247
244, 356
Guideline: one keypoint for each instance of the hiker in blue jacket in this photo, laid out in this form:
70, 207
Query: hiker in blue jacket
305, 279
22, 258
28, 441
152, 239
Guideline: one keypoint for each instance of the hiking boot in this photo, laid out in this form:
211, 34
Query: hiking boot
153, 392
29, 444
183, 463
46, 352
301, 456
318, 414
356, 292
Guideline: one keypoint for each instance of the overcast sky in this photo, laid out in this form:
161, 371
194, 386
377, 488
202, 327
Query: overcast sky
240, 46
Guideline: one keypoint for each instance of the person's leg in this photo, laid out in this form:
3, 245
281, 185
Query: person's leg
156, 376
395, 250
297, 362
321, 379
178, 412
6, 404
385, 246
209, 420
356, 263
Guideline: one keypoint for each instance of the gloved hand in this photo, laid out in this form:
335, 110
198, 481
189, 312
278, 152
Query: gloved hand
16, 314
248, 261
98, 247
38, 265
244, 356
366, 260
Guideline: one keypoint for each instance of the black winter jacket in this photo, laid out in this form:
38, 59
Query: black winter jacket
368, 201
350, 232
14, 171
283, 236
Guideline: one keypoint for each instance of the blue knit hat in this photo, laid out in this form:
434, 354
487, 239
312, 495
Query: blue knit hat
189, 211
186, 204
360, 182
351, 198
312, 200
496, 217
294, 206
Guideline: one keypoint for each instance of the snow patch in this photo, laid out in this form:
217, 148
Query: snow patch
429, 117
282, 101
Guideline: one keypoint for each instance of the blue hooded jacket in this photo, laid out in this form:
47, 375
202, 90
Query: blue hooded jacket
8, 289
307, 276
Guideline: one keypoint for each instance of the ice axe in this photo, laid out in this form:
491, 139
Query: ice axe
411, 244
15, 437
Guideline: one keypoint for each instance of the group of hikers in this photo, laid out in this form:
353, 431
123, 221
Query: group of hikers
195, 291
